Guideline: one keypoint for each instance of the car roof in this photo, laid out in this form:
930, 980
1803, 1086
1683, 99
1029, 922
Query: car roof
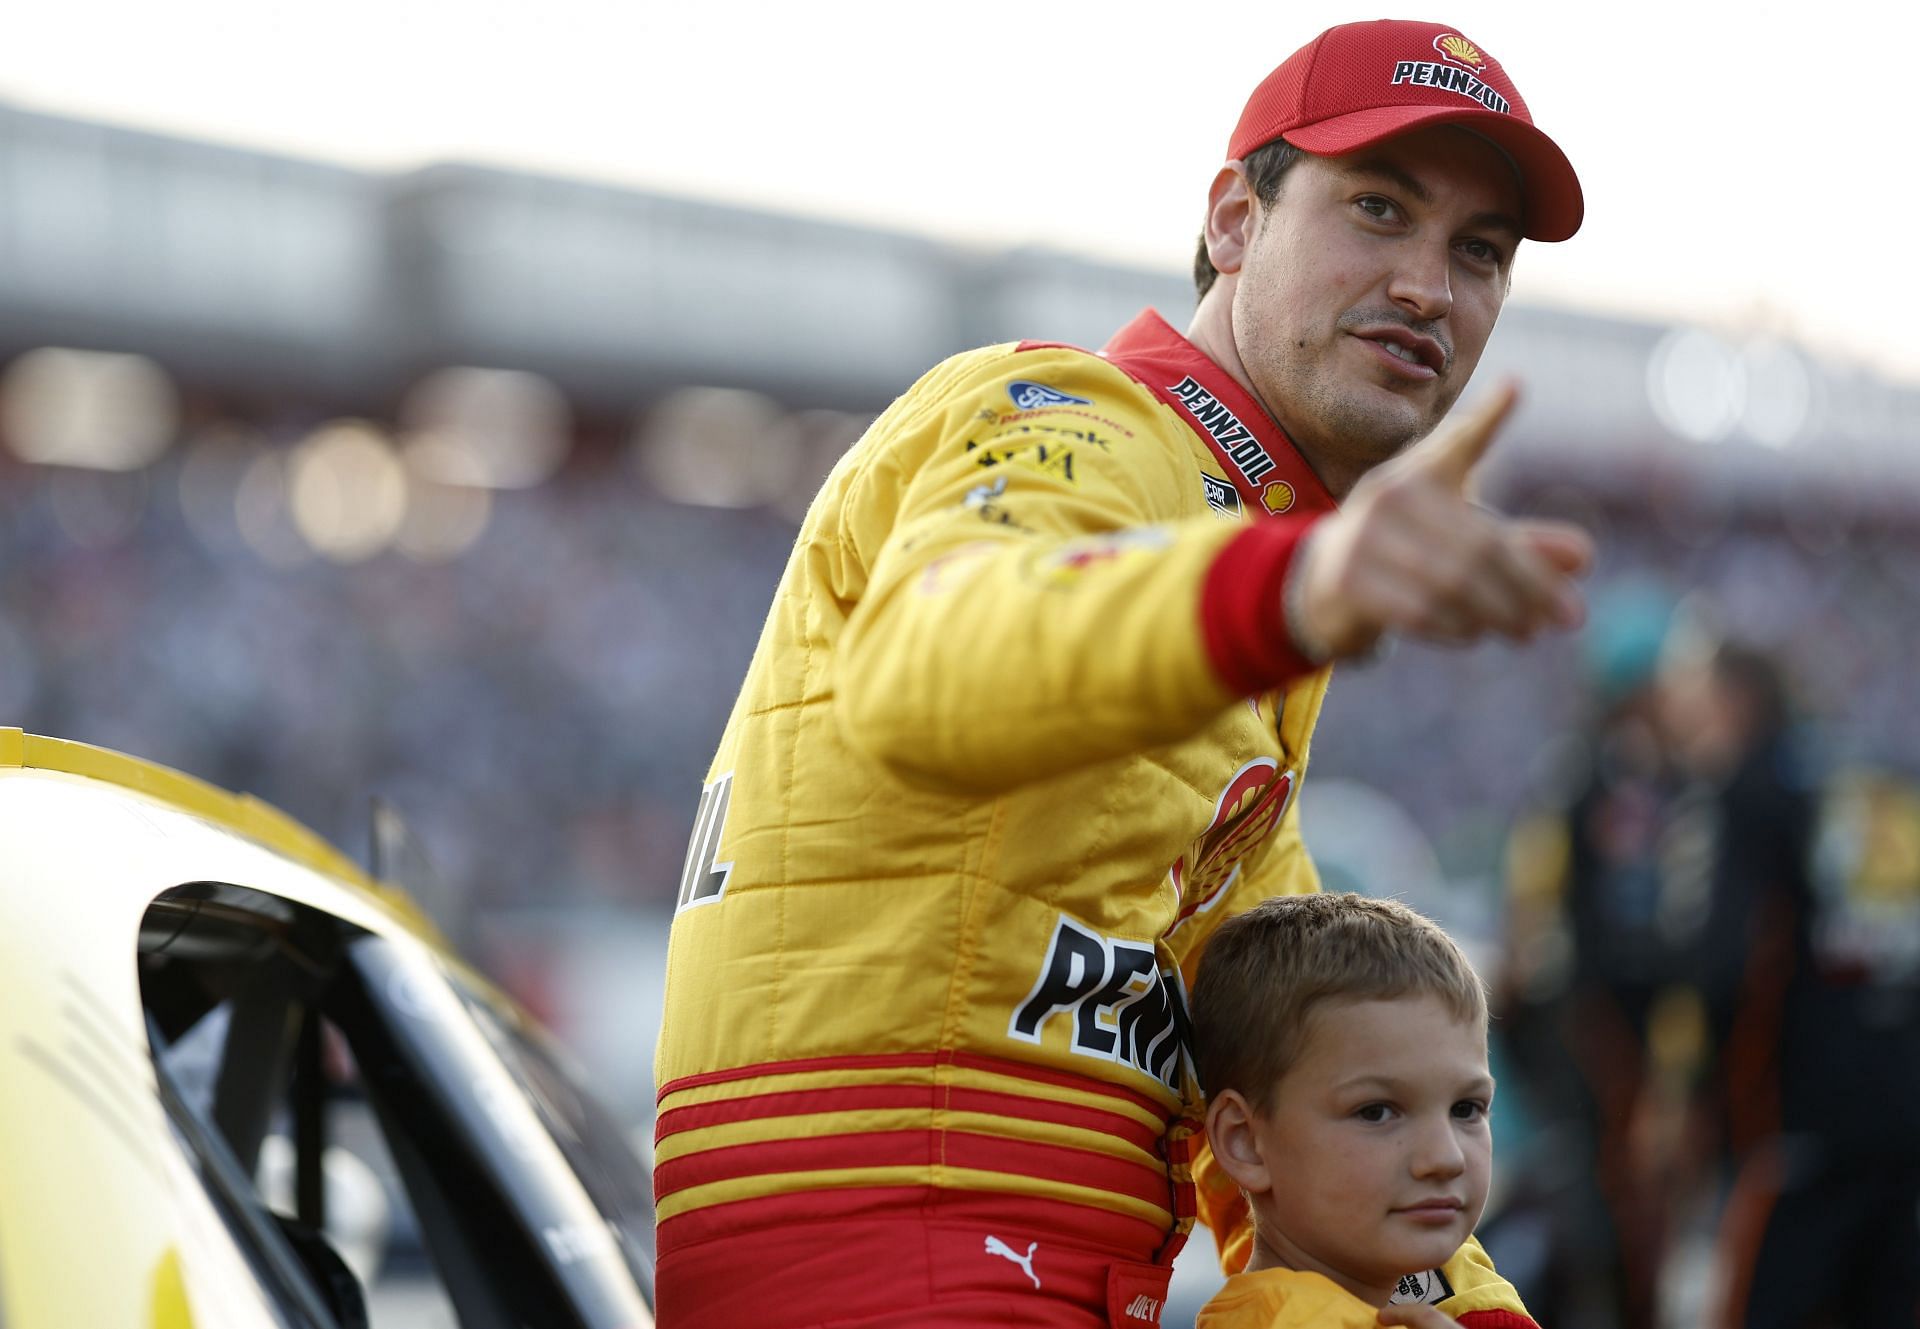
242, 814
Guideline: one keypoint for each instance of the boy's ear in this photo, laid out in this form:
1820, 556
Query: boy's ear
1236, 1146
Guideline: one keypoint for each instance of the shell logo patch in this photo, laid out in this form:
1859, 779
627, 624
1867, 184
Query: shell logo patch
1277, 497
1458, 49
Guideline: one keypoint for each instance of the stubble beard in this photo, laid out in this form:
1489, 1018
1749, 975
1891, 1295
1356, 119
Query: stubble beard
1345, 429
1370, 423
1342, 426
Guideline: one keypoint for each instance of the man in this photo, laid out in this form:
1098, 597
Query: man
1029, 711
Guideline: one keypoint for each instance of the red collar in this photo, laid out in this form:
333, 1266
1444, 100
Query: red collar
1256, 454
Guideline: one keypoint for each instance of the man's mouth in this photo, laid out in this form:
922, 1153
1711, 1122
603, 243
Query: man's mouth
1413, 357
1423, 357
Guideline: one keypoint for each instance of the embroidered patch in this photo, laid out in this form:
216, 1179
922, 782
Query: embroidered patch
1277, 497
1421, 1289
1222, 497
1029, 396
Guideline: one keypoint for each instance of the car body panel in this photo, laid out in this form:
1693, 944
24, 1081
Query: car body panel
103, 1217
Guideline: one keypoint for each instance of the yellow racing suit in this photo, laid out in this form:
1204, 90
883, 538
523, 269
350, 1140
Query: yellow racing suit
1023, 724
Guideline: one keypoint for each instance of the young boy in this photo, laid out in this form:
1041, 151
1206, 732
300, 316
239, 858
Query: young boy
1342, 1043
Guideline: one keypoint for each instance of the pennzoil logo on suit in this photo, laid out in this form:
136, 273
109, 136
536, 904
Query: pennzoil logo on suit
1123, 1007
703, 881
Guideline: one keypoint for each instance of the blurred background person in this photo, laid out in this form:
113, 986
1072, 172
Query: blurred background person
1809, 965
1591, 988
1709, 996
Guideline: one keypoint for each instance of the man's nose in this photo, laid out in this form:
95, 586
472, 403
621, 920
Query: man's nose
1422, 280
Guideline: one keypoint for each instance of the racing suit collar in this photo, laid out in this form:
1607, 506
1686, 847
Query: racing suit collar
1266, 469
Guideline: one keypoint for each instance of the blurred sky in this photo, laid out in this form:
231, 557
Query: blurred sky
1742, 163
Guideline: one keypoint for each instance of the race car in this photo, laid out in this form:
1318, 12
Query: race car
244, 1084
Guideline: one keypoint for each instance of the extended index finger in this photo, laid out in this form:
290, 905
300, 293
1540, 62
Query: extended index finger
1463, 440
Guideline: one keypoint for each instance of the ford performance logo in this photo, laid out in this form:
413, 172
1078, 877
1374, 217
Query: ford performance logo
1030, 396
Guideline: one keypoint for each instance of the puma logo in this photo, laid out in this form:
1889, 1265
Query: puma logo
995, 1246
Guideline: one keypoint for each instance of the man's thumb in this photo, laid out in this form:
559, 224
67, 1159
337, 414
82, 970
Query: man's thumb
1459, 444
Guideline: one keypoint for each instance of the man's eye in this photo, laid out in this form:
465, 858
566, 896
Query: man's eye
1481, 252
1380, 209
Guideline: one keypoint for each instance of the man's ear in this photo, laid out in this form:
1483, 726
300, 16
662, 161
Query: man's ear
1230, 218
1236, 1147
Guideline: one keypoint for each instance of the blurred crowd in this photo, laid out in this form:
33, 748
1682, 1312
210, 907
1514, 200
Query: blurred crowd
1692, 827
1709, 999
539, 708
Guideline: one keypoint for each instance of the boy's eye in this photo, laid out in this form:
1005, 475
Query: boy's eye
1469, 1109
1374, 1112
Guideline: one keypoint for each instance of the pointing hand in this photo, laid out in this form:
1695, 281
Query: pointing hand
1411, 553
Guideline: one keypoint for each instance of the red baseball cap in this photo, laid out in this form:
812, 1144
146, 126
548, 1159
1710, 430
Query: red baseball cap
1360, 83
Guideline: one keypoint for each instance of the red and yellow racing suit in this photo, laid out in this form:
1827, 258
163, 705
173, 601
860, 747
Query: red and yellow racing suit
1023, 724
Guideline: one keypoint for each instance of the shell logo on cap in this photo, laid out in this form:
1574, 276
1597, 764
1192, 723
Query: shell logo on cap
1459, 50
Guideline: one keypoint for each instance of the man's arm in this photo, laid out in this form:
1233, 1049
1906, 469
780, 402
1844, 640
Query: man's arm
1040, 602
1038, 599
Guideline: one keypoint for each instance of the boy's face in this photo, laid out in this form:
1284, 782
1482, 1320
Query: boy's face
1376, 1144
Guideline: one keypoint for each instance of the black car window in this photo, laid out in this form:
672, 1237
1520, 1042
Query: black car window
253, 1227
386, 1145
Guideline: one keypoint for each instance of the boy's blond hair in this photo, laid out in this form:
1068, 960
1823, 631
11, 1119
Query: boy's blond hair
1264, 971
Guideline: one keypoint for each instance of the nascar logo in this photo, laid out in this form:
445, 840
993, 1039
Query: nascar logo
1031, 396
1222, 497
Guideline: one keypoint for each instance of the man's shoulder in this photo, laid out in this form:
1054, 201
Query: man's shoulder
1011, 383
1031, 360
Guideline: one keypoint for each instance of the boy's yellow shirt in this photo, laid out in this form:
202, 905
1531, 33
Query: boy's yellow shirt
1285, 1299
1292, 1299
